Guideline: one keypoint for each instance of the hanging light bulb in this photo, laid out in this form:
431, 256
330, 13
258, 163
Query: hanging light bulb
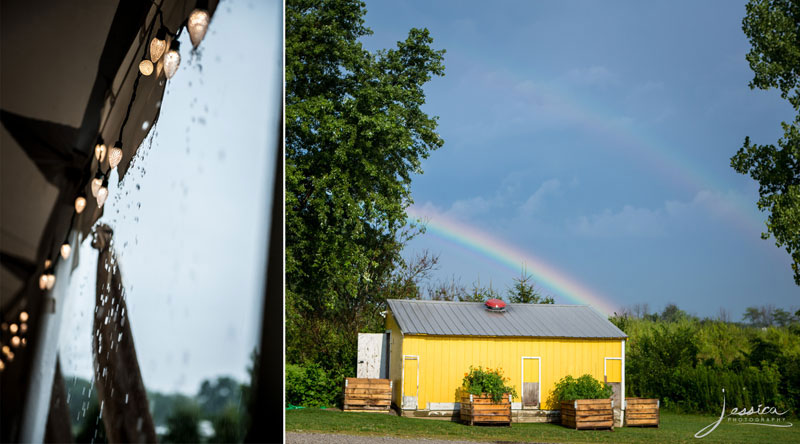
48, 279
23, 316
102, 193
24, 342
146, 67
172, 59
2, 365
97, 182
65, 250
13, 329
80, 203
15, 341
6, 350
100, 150
158, 45
10, 355
115, 155
198, 22
23, 327
51, 281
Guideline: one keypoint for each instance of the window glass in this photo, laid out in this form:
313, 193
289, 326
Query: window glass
190, 222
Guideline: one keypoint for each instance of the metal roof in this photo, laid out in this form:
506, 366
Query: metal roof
473, 319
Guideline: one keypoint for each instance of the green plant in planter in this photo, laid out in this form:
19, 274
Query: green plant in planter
585, 387
489, 382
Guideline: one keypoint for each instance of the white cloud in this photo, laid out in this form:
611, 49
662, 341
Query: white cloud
534, 203
592, 76
631, 221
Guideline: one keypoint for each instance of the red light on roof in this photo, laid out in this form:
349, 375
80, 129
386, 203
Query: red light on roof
495, 305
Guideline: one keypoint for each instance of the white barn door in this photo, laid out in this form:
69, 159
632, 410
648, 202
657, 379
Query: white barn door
373, 355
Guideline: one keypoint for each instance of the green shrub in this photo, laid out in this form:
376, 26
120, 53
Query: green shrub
489, 382
310, 385
585, 387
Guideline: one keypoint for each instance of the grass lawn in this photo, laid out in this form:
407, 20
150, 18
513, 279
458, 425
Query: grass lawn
674, 428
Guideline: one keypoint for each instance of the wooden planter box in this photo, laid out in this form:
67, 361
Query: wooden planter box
367, 395
582, 414
482, 410
642, 412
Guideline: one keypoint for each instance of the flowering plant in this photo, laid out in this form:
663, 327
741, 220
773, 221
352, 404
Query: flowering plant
480, 381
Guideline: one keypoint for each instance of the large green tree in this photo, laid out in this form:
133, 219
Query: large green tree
355, 135
773, 27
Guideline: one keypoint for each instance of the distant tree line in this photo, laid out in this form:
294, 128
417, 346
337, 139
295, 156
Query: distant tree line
686, 361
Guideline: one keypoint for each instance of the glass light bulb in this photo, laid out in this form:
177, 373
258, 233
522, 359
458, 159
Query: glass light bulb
171, 62
65, 250
198, 25
102, 195
2, 366
80, 204
47, 263
15, 341
51, 281
24, 342
114, 156
13, 329
157, 48
6, 350
10, 356
100, 152
23, 327
23, 316
96, 184
43, 282
146, 67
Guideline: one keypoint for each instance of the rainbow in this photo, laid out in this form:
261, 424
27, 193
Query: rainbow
512, 257
658, 156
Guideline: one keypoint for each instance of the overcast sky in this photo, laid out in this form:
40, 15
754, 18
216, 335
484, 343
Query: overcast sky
190, 215
595, 138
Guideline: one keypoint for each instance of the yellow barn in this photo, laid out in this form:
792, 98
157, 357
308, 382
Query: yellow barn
432, 344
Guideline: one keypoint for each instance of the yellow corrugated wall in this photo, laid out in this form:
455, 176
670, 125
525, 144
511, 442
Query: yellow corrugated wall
443, 360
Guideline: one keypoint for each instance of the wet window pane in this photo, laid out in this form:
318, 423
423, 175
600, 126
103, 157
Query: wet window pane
190, 225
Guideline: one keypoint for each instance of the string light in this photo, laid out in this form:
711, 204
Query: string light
115, 155
198, 22
23, 328
100, 150
48, 278
146, 67
2, 365
15, 341
80, 203
13, 329
173, 59
160, 60
65, 250
158, 45
23, 316
51, 280
97, 182
102, 193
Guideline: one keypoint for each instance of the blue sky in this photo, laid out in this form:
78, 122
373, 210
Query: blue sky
597, 137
